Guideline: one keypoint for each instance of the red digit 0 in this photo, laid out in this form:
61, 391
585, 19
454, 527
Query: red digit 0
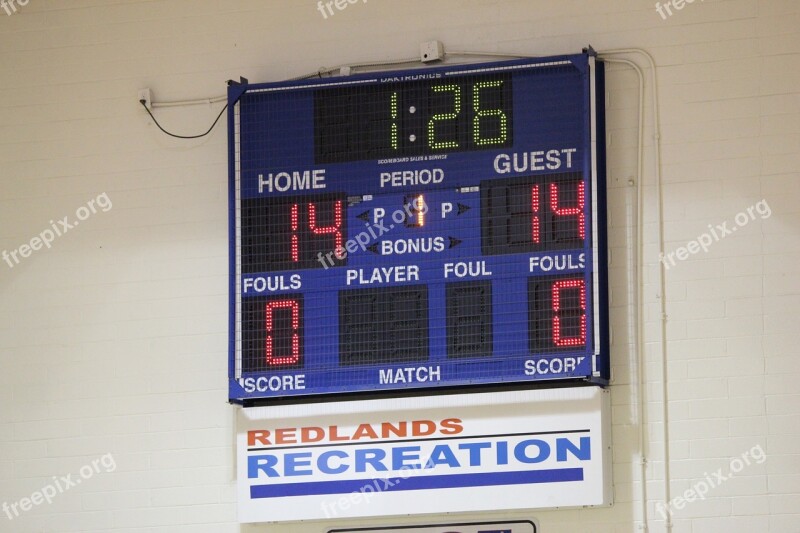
558, 286
294, 357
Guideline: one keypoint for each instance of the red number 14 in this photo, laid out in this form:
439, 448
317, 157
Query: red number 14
335, 229
557, 209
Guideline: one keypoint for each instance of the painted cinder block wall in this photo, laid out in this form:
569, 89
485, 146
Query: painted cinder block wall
113, 340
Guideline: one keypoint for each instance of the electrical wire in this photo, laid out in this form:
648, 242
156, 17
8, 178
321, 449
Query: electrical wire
318, 74
144, 105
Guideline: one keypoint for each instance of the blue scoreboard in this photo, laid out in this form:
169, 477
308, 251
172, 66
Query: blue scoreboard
420, 229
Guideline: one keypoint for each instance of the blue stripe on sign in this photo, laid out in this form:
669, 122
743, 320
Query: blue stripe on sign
522, 477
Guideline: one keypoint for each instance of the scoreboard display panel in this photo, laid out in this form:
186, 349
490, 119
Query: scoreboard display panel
428, 228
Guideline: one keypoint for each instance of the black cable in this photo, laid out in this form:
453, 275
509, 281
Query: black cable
144, 105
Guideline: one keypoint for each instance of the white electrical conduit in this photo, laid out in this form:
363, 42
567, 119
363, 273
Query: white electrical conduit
199, 101
640, 278
319, 73
325, 70
486, 54
637, 290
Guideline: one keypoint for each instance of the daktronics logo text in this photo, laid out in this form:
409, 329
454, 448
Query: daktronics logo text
427, 454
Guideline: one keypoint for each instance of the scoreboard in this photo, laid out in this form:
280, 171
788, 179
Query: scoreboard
418, 229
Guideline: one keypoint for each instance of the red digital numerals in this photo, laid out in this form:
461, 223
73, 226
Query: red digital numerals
289, 331
558, 210
566, 286
573, 211
535, 214
536, 223
558, 315
334, 229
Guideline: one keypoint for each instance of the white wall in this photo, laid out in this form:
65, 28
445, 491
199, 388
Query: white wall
114, 340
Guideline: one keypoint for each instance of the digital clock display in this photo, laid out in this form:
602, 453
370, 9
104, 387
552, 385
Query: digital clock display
418, 229
406, 119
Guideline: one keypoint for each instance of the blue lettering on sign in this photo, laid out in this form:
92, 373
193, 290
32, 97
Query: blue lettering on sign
261, 463
520, 451
584, 453
442, 455
324, 462
294, 460
373, 458
400, 456
403, 458
475, 451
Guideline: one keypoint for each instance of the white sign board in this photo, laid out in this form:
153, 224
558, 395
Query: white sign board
530, 449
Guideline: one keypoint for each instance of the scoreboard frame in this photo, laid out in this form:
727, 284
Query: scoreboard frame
255, 386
